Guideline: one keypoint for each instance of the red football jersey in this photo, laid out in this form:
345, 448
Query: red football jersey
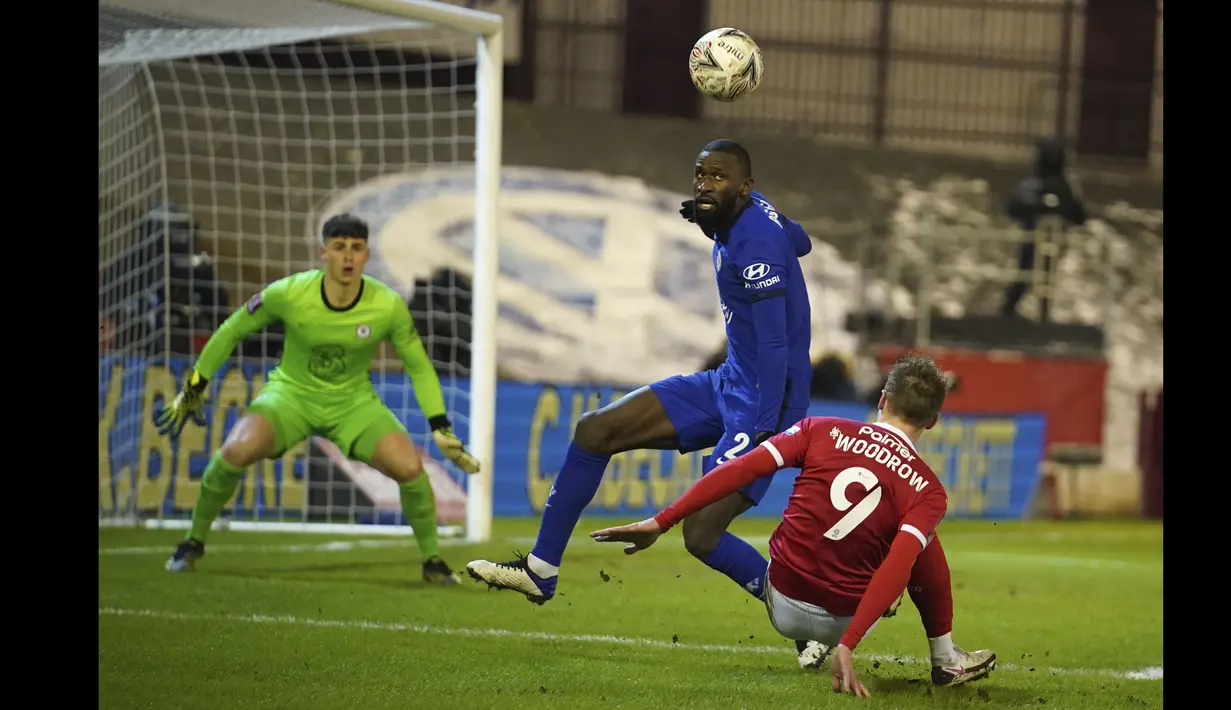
859, 485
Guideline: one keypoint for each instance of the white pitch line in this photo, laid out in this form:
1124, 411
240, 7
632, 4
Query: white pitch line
1010, 558
1152, 673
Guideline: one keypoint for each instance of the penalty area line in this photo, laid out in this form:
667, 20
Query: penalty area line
1153, 673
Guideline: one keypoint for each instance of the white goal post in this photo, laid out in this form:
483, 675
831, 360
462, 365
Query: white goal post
229, 131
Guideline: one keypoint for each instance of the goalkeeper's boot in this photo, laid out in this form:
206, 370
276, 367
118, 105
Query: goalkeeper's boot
971, 665
437, 571
186, 555
516, 576
811, 653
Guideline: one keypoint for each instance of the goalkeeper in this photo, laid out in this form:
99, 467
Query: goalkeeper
335, 320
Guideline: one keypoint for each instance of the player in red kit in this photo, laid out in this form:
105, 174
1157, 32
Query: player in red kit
863, 508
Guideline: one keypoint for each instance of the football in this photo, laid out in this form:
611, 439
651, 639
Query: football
725, 64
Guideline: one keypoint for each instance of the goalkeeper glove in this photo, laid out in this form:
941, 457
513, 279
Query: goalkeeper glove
451, 446
188, 403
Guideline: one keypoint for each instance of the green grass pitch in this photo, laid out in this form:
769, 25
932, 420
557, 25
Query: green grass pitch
1073, 610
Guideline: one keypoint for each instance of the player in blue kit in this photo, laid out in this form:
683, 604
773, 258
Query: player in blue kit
761, 389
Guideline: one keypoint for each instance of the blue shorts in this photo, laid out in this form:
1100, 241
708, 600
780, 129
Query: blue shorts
706, 414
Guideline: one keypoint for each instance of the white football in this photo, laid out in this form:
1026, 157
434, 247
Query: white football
725, 64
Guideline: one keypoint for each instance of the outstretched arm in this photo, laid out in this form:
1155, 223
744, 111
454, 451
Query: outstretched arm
713, 486
724, 480
786, 450
261, 310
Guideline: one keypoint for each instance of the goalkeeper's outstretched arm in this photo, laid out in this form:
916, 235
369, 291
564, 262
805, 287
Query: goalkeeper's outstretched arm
261, 310
426, 384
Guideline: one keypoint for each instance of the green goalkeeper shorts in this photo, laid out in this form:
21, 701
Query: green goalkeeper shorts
355, 424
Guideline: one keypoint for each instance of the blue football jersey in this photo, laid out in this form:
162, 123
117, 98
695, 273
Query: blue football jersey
767, 313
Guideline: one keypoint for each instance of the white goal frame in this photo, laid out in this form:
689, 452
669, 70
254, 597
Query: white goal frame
488, 30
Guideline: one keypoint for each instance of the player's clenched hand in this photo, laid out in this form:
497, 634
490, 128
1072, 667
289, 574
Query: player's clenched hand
454, 450
640, 535
844, 680
688, 210
189, 403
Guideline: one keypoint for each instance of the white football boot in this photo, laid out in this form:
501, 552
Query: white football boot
811, 653
970, 666
514, 575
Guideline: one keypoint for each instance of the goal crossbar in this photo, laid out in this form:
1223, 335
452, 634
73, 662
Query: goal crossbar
479, 22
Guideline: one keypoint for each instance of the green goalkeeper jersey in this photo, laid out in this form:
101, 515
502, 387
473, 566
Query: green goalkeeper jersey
328, 351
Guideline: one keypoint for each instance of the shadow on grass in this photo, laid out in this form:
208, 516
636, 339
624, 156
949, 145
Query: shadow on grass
980, 692
398, 575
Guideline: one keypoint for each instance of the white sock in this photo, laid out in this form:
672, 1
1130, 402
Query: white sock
944, 653
540, 567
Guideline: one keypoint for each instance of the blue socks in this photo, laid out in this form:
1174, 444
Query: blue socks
573, 490
741, 562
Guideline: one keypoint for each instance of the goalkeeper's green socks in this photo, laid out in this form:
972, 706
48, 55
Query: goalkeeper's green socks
221, 479
419, 506
217, 486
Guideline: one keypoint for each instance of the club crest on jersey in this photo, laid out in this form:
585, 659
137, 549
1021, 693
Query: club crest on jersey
718, 261
363, 331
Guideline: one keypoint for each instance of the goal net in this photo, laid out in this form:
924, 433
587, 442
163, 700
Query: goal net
228, 132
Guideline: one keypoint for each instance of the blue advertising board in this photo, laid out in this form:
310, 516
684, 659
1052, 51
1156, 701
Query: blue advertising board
988, 463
